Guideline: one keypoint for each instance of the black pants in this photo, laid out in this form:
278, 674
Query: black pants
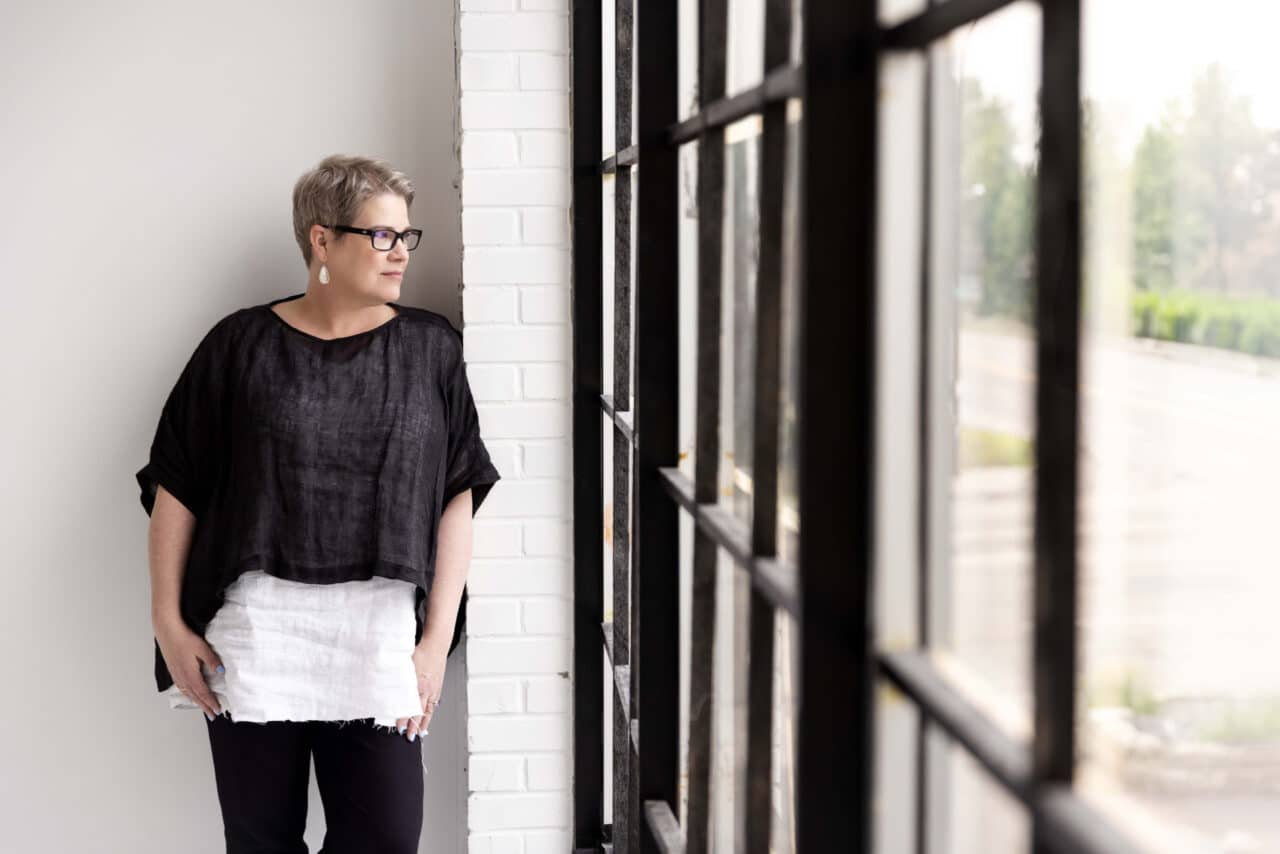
370, 781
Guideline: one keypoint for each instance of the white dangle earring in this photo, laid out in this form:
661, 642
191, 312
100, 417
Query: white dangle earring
324, 275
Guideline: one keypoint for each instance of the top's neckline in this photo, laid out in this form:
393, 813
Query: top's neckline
287, 325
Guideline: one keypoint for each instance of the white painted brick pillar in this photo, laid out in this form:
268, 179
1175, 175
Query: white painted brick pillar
514, 75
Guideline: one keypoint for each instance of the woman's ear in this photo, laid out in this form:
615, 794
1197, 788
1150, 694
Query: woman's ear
319, 244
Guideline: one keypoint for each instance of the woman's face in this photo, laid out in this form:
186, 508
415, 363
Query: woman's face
355, 266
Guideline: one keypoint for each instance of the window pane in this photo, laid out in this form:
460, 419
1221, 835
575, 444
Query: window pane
608, 81
786, 709
895, 11
788, 426
1180, 413
739, 258
969, 812
897, 405
608, 241
982, 192
687, 62
729, 715
686, 636
746, 45
688, 297
897, 732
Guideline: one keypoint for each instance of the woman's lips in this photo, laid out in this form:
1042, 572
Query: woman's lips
394, 275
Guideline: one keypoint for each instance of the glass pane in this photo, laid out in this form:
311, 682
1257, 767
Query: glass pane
608, 89
740, 256
786, 711
969, 812
607, 744
607, 237
896, 11
606, 426
788, 426
687, 60
746, 45
897, 407
1180, 413
729, 714
686, 636
688, 287
797, 32
897, 732
984, 151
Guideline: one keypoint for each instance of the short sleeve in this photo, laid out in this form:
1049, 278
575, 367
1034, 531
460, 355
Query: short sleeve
185, 455
468, 466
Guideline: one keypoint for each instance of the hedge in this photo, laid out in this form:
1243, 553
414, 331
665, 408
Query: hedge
1248, 325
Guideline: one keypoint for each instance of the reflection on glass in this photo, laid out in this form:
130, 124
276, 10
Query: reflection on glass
984, 160
740, 261
1180, 413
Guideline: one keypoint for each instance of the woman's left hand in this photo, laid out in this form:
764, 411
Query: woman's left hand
429, 664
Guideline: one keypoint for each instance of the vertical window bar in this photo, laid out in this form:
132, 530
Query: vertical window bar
588, 446
1057, 400
837, 371
764, 466
655, 628
625, 790
713, 23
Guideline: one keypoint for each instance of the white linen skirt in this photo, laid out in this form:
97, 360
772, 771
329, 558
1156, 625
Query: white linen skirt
313, 652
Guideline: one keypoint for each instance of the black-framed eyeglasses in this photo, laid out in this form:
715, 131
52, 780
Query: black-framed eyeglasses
384, 238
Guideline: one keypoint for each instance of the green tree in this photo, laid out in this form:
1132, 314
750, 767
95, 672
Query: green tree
1205, 183
998, 209
1155, 172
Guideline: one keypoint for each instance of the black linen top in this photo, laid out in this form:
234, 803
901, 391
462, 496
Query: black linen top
317, 460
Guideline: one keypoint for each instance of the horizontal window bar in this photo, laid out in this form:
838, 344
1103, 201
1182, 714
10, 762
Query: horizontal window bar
622, 686
1073, 827
776, 580
929, 26
779, 85
664, 827
621, 420
625, 158
916, 676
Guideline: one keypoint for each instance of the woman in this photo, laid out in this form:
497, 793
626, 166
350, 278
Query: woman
311, 487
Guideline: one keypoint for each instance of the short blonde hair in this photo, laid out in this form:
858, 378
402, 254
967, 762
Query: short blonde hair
334, 191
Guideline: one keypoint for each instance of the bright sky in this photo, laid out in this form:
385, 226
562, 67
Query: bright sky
1138, 54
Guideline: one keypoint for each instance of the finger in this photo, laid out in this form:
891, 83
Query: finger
402, 724
211, 659
199, 691
415, 725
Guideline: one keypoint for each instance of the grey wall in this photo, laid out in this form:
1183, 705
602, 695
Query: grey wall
148, 153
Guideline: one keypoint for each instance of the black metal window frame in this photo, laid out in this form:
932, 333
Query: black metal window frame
829, 589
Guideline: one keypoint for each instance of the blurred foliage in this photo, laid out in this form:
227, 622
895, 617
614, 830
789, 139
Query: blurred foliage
982, 448
1248, 325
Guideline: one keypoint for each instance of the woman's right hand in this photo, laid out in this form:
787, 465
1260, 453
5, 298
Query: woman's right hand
184, 651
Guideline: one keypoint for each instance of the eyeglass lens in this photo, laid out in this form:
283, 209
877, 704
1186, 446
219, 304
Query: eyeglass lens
384, 239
